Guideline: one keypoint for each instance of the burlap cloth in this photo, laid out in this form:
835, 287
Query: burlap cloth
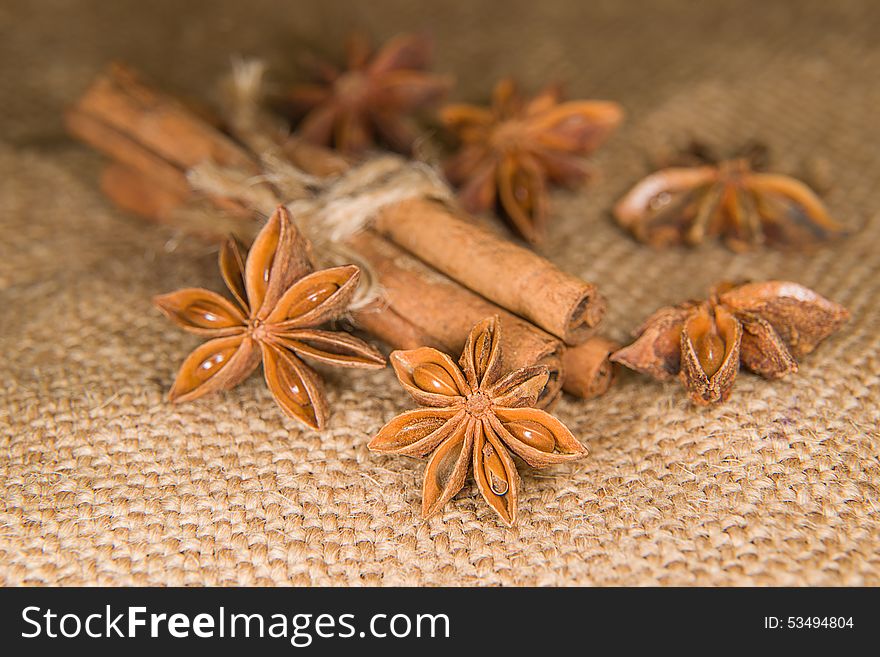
104, 482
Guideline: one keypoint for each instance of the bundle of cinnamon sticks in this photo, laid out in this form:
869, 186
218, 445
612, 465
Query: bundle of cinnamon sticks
438, 272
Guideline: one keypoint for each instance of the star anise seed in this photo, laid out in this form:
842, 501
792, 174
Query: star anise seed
764, 326
512, 150
474, 417
279, 300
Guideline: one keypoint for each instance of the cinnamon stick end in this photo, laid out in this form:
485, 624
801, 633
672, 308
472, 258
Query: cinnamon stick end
588, 371
585, 317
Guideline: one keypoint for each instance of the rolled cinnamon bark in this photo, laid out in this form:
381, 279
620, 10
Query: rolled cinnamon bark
588, 371
156, 136
316, 160
441, 312
134, 191
506, 274
125, 148
119, 102
137, 192
381, 321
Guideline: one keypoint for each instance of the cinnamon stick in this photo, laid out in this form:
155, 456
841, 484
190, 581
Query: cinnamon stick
506, 274
127, 149
418, 306
588, 370
441, 312
384, 323
509, 275
316, 160
119, 103
137, 192
153, 134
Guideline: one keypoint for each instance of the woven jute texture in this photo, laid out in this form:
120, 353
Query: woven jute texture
104, 482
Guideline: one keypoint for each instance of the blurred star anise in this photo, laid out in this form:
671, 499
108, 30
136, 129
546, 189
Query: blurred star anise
730, 199
375, 95
510, 151
474, 415
765, 326
279, 300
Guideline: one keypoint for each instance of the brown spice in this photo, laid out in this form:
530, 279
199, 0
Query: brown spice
420, 306
512, 150
474, 415
589, 372
279, 300
685, 205
135, 191
154, 135
169, 129
765, 326
509, 275
374, 95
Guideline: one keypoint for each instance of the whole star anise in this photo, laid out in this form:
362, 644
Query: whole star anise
510, 151
279, 300
727, 199
765, 326
476, 416
375, 95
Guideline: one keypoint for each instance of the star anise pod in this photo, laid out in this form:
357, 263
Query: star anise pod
279, 300
727, 199
765, 326
375, 95
512, 150
474, 415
